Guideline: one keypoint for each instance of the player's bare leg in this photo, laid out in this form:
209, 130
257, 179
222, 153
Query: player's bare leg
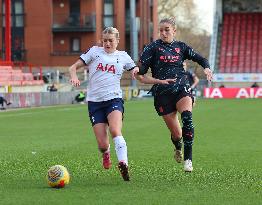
102, 138
173, 125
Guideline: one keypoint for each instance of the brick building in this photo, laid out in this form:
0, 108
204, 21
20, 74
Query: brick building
53, 33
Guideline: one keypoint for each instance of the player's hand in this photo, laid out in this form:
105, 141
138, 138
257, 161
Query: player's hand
134, 72
168, 81
208, 73
74, 81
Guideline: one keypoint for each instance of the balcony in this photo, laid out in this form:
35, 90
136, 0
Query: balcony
66, 53
74, 22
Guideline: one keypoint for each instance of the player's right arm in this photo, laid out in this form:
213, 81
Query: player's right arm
84, 60
72, 70
150, 80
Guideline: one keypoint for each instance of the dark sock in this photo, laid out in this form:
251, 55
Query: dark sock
188, 134
178, 143
187, 149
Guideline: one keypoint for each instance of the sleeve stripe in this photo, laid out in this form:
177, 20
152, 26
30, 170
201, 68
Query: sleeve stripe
131, 68
82, 60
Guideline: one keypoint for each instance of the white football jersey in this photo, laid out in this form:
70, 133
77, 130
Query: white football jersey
105, 72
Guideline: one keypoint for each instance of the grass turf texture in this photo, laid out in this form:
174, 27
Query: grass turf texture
227, 156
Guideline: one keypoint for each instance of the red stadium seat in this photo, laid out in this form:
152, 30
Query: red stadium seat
241, 43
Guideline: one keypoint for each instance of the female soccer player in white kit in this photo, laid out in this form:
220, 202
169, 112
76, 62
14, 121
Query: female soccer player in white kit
104, 95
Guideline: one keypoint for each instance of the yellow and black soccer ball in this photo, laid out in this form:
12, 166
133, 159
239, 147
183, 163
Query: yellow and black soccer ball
57, 176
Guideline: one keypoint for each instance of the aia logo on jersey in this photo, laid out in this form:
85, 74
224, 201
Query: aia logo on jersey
177, 50
169, 59
106, 68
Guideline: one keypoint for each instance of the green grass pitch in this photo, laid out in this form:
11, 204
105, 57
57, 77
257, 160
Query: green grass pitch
227, 156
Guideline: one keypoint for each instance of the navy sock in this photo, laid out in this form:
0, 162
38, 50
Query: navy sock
177, 143
188, 134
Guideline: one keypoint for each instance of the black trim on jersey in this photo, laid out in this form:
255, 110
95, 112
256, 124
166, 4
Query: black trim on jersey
132, 68
82, 60
142, 70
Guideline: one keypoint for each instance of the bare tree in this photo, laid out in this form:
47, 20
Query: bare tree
184, 11
165, 5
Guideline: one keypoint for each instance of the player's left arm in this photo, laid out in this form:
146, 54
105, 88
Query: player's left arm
190, 54
209, 74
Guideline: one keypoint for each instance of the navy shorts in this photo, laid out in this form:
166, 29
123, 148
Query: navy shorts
98, 111
166, 104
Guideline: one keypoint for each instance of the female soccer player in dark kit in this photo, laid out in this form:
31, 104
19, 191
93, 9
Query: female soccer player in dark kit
171, 89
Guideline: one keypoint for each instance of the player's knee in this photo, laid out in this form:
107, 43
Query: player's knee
115, 131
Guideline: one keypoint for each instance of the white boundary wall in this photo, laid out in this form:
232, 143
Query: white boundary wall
36, 99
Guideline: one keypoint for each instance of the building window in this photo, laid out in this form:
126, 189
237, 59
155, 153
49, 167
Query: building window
17, 13
17, 22
108, 13
18, 10
74, 10
75, 44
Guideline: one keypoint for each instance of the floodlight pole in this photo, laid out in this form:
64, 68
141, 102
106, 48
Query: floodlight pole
133, 34
8, 31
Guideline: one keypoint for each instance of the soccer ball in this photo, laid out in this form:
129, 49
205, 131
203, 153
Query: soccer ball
57, 176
